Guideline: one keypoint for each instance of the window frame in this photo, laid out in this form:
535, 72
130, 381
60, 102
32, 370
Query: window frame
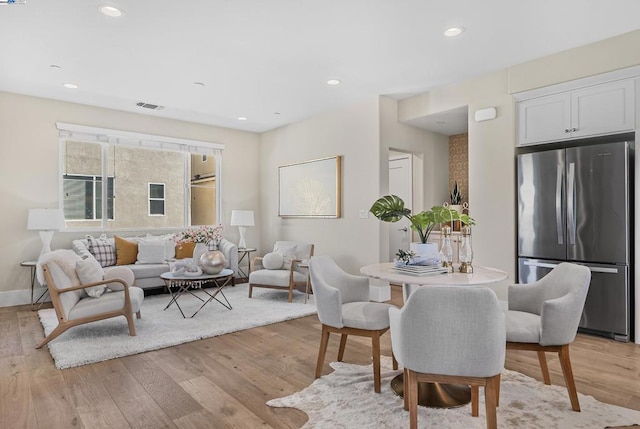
102, 188
109, 137
150, 198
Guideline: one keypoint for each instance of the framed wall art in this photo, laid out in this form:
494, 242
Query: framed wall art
310, 189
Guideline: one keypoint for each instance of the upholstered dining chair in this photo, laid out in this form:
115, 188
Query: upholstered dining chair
454, 335
544, 317
343, 308
74, 307
280, 268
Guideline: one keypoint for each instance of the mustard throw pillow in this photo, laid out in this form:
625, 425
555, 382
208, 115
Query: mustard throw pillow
126, 251
185, 250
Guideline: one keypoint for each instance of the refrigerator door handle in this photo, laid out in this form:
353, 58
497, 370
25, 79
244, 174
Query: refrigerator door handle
571, 206
550, 265
559, 228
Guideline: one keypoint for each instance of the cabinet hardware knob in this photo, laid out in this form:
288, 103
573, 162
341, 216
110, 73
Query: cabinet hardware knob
567, 130
574, 130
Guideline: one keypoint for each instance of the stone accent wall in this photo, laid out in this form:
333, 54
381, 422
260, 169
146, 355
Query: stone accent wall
459, 164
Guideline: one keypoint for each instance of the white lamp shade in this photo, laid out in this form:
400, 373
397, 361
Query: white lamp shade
242, 218
45, 220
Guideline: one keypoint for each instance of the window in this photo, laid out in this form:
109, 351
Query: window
156, 199
152, 182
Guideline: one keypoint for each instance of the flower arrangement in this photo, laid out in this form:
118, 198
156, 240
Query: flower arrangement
200, 234
405, 257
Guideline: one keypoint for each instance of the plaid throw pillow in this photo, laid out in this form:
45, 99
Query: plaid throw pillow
102, 250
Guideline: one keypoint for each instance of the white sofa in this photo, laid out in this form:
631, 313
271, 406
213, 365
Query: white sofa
148, 275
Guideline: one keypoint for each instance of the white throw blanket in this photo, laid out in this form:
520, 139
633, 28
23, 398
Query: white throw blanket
65, 259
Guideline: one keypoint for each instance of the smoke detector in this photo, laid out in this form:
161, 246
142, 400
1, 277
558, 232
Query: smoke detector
149, 105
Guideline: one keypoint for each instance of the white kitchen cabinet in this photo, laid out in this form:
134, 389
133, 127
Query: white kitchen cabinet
591, 111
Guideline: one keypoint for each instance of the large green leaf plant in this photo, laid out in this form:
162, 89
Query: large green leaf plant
390, 208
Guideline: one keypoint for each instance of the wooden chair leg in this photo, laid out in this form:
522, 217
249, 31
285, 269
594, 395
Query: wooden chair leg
405, 389
324, 341
475, 400
394, 361
139, 314
375, 348
498, 391
343, 344
565, 362
132, 327
57, 331
412, 394
250, 290
543, 366
490, 401
291, 293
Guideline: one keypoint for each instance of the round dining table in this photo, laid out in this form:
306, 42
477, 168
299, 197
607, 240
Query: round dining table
436, 395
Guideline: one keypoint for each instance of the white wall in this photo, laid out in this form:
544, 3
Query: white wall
352, 132
29, 172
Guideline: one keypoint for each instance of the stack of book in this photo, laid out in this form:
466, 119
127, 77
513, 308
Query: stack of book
421, 270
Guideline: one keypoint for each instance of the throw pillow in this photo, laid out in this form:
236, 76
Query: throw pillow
272, 261
185, 250
102, 250
151, 252
288, 254
167, 239
126, 251
122, 273
89, 271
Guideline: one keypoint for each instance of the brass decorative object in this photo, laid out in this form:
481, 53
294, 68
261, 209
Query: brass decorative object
465, 253
212, 262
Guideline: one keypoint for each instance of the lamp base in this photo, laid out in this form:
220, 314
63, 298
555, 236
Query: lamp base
45, 237
242, 244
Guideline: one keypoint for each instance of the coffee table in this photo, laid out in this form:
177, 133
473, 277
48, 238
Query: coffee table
180, 284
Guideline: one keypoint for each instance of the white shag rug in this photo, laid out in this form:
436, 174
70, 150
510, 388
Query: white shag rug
345, 399
109, 339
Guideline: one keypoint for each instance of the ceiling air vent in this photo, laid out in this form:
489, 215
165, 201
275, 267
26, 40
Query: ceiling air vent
149, 106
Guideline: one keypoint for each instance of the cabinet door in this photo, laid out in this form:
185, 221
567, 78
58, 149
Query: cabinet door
544, 119
603, 109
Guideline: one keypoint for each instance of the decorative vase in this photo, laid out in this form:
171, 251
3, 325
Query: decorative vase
455, 224
426, 253
212, 262
199, 250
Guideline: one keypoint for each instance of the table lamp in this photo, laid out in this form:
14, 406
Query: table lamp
46, 221
242, 219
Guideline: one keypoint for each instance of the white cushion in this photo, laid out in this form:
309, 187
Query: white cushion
122, 273
89, 271
151, 251
275, 277
522, 327
273, 261
366, 315
167, 239
109, 301
288, 254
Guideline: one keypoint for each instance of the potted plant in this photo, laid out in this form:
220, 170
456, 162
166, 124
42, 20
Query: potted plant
390, 208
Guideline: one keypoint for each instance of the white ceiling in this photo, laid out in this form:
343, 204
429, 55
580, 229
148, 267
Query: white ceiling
259, 57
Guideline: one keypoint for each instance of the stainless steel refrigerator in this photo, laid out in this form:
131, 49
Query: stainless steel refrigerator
575, 204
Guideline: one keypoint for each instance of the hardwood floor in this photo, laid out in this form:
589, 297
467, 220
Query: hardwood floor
224, 382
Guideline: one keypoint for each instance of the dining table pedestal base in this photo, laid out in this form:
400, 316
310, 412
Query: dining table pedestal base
436, 395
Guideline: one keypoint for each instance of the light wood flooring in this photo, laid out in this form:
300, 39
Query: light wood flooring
224, 382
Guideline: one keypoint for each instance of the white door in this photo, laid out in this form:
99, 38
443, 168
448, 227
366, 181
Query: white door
400, 184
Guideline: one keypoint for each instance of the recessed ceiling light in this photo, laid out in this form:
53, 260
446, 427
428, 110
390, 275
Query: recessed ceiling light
453, 31
334, 82
199, 83
242, 118
70, 85
111, 11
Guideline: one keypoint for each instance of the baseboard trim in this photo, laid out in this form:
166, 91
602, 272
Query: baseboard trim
12, 298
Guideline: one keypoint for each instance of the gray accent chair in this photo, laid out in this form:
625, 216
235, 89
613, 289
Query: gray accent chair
288, 276
343, 307
544, 317
450, 335
74, 307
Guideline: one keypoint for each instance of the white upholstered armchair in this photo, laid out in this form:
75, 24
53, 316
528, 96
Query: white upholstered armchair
81, 294
280, 268
451, 335
344, 308
544, 317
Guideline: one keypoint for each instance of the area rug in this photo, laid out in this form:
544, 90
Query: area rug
345, 399
109, 339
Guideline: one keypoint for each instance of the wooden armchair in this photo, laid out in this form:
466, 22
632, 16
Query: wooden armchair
280, 269
74, 307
